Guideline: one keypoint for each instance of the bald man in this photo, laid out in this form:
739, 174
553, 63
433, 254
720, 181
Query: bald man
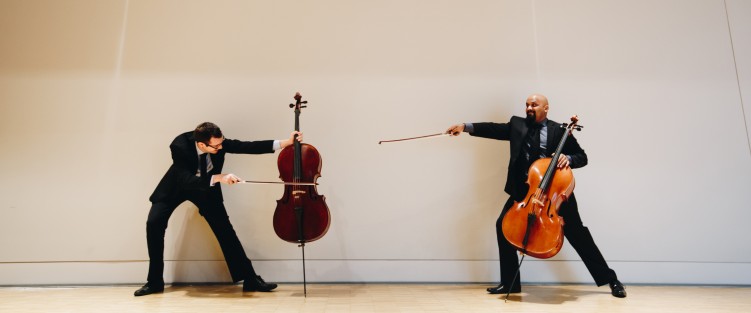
532, 138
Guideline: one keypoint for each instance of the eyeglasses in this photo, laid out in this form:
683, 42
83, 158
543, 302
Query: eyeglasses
217, 146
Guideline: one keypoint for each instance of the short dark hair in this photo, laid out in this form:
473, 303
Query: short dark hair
205, 131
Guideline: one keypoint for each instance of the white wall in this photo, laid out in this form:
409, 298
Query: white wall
92, 92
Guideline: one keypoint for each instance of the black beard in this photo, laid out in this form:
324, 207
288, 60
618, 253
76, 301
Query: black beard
531, 118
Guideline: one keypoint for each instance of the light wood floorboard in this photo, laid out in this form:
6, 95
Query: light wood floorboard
376, 298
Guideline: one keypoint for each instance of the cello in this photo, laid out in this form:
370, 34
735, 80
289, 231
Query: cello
301, 215
533, 225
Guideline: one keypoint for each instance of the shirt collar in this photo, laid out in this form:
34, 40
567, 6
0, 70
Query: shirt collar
540, 124
199, 150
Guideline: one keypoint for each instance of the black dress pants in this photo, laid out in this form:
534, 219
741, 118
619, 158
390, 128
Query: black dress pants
576, 234
215, 214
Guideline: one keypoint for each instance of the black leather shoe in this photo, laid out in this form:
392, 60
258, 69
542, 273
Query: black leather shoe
148, 289
617, 289
258, 284
501, 289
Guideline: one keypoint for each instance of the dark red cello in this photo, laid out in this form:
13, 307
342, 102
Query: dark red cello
533, 225
301, 214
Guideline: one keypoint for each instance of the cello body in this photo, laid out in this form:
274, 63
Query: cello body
545, 237
315, 216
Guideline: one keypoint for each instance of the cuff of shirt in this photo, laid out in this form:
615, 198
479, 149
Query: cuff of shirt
211, 181
469, 128
277, 145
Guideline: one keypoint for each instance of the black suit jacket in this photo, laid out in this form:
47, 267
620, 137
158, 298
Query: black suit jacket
181, 176
514, 131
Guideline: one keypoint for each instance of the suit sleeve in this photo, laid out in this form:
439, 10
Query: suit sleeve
248, 147
499, 131
577, 154
183, 170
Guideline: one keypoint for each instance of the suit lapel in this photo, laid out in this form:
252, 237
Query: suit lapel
550, 140
516, 147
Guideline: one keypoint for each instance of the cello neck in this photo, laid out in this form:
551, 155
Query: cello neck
554, 160
297, 171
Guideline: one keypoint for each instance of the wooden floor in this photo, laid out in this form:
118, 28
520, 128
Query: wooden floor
376, 298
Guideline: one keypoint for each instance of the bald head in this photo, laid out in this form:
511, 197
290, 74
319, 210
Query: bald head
537, 108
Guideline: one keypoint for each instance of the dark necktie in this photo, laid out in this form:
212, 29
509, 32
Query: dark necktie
202, 164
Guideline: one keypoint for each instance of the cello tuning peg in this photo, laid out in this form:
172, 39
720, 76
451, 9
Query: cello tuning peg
304, 102
291, 105
303, 106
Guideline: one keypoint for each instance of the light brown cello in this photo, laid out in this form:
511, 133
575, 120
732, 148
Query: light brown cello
533, 225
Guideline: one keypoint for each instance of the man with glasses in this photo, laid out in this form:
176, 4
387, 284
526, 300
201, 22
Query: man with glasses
196, 176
